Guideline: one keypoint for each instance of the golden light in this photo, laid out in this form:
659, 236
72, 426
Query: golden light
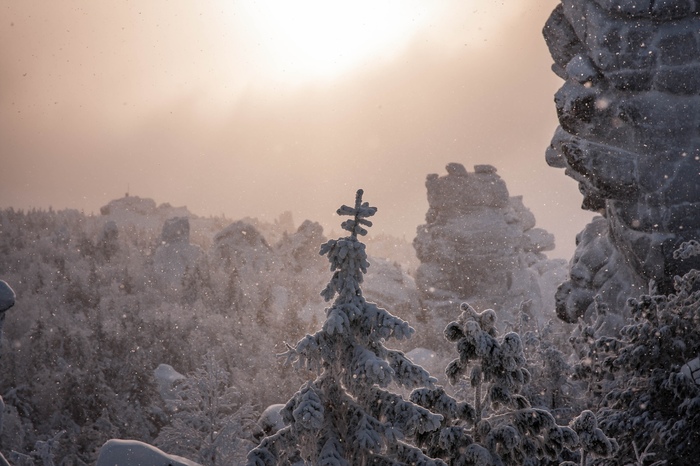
322, 39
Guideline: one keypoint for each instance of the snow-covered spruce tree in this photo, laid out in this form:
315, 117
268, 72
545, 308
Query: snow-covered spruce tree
347, 416
500, 427
646, 381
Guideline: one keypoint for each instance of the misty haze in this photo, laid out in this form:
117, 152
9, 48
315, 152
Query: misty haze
403, 232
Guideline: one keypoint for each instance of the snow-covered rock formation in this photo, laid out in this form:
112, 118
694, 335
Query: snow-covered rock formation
142, 212
300, 271
481, 245
175, 256
629, 114
247, 260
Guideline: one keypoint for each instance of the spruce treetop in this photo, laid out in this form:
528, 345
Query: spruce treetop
359, 213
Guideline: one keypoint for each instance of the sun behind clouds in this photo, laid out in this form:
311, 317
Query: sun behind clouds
321, 39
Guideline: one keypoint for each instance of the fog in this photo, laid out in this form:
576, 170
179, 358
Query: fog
185, 104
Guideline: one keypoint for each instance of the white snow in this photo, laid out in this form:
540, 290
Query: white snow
117, 452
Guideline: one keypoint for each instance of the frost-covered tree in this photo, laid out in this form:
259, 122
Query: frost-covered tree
550, 383
498, 426
347, 415
209, 423
645, 379
79, 349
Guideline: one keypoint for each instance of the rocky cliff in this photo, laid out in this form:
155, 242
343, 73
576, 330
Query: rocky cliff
629, 134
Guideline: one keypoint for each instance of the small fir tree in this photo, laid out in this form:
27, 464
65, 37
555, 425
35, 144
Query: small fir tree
347, 416
500, 427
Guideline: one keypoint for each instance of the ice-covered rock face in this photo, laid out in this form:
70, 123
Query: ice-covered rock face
629, 114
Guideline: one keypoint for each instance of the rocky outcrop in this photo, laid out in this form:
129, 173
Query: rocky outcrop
247, 262
629, 134
108, 241
241, 245
141, 213
302, 273
480, 245
175, 256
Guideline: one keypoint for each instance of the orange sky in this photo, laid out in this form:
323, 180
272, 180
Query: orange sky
238, 108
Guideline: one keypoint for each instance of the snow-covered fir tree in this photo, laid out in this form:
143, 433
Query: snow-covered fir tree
646, 380
498, 426
347, 415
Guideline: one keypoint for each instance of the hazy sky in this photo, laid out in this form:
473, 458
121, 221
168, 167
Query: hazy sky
253, 108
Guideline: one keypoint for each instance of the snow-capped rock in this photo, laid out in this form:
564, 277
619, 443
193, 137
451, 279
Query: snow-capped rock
270, 420
134, 453
166, 377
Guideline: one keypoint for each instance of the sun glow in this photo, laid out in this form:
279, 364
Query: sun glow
305, 39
